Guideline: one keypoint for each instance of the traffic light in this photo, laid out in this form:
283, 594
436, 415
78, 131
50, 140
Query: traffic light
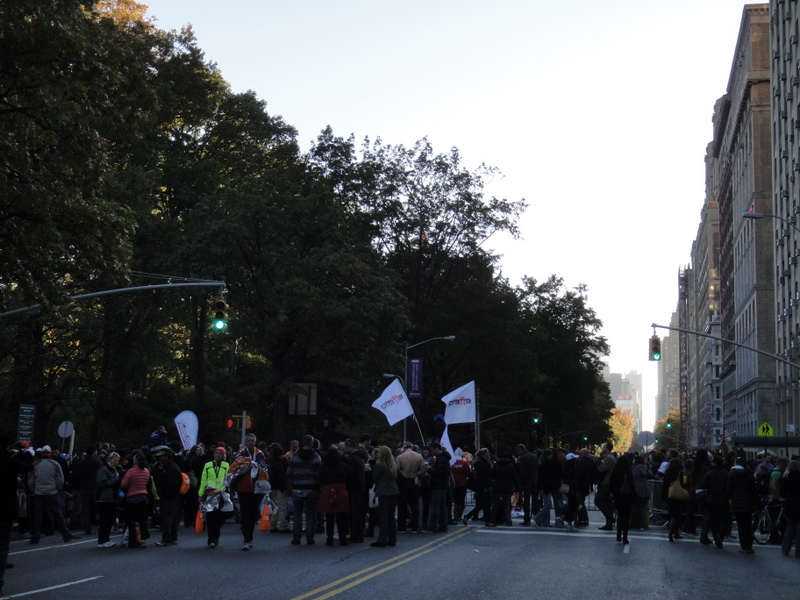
536, 418
220, 322
655, 348
230, 423
669, 423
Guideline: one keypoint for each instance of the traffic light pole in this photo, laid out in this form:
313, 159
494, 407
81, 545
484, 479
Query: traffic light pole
713, 337
219, 284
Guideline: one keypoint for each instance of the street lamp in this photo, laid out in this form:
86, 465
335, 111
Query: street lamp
448, 338
756, 216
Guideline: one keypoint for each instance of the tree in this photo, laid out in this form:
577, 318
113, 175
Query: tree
621, 424
71, 80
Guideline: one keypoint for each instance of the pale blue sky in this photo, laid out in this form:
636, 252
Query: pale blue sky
598, 112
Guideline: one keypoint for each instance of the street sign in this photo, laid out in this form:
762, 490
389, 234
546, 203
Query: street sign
766, 430
27, 416
646, 438
65, 429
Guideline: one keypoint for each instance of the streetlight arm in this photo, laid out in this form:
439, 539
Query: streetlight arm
757, 215
449, 338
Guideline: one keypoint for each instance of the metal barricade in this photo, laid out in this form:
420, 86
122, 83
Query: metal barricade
658, 507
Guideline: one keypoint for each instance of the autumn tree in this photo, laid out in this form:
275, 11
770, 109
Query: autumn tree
621, 424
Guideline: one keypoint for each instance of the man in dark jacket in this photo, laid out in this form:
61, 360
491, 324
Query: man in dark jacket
303, 474
742, 493
504, 476
527, 471
168, 479
85, 474
356, 487
715, 506
13, 462
440, 485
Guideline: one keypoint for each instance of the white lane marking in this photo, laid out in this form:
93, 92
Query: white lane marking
54, 587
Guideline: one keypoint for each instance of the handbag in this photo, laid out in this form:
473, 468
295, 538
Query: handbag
373, 499
677, 492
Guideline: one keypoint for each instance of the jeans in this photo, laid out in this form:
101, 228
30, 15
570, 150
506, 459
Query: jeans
249, 504
388, 523
502, 502
52, 505
170, 516
105, 512
88, 508
408, 499
279, 518
305, 505
438, 514
543, 516
527, 497
791, 536
604, 503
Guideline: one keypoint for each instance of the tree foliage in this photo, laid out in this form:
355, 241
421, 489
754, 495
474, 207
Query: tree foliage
126, 155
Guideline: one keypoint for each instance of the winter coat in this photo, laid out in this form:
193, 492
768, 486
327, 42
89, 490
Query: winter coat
741, 490
106, 480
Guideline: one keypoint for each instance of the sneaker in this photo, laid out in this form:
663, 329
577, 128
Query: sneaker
163, 543
247, 546
109, 544
212, 545
101, 545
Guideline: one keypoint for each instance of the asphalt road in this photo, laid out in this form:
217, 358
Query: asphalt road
466, 563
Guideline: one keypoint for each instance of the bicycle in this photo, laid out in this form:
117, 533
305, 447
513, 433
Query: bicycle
767, 528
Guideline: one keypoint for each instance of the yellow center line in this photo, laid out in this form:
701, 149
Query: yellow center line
382, 567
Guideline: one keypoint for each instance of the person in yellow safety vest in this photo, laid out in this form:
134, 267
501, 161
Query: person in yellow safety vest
212, 483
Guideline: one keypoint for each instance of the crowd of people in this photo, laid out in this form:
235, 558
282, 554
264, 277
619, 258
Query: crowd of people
354, 490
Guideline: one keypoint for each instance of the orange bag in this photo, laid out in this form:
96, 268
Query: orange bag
199, 522
264, 524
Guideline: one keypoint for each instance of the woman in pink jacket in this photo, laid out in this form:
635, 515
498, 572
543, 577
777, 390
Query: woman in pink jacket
136, 484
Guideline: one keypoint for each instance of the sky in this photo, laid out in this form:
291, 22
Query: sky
598, 114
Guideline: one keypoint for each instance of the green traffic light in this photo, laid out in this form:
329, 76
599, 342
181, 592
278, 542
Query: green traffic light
220, 324
656, 356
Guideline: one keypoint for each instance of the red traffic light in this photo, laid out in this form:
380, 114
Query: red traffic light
230, 423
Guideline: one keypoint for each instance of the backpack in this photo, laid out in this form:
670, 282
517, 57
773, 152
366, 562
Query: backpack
185, 483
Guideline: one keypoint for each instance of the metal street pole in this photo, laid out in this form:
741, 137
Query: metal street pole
449, 338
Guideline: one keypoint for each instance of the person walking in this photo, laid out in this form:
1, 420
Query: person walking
482, 467
602, 499
715, 503
212, 484
527, 472
168, 479
624, 494
106, 481
384, 478
742, 493
672, 474
246, 469
46, 480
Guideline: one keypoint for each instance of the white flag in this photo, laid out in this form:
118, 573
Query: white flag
187, 425
445, 441
393, 403
460, 405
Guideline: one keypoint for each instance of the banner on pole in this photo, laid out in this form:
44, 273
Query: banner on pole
414, 383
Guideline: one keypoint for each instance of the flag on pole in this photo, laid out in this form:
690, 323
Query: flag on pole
445, 441
187, 425
393, 403
460, 405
